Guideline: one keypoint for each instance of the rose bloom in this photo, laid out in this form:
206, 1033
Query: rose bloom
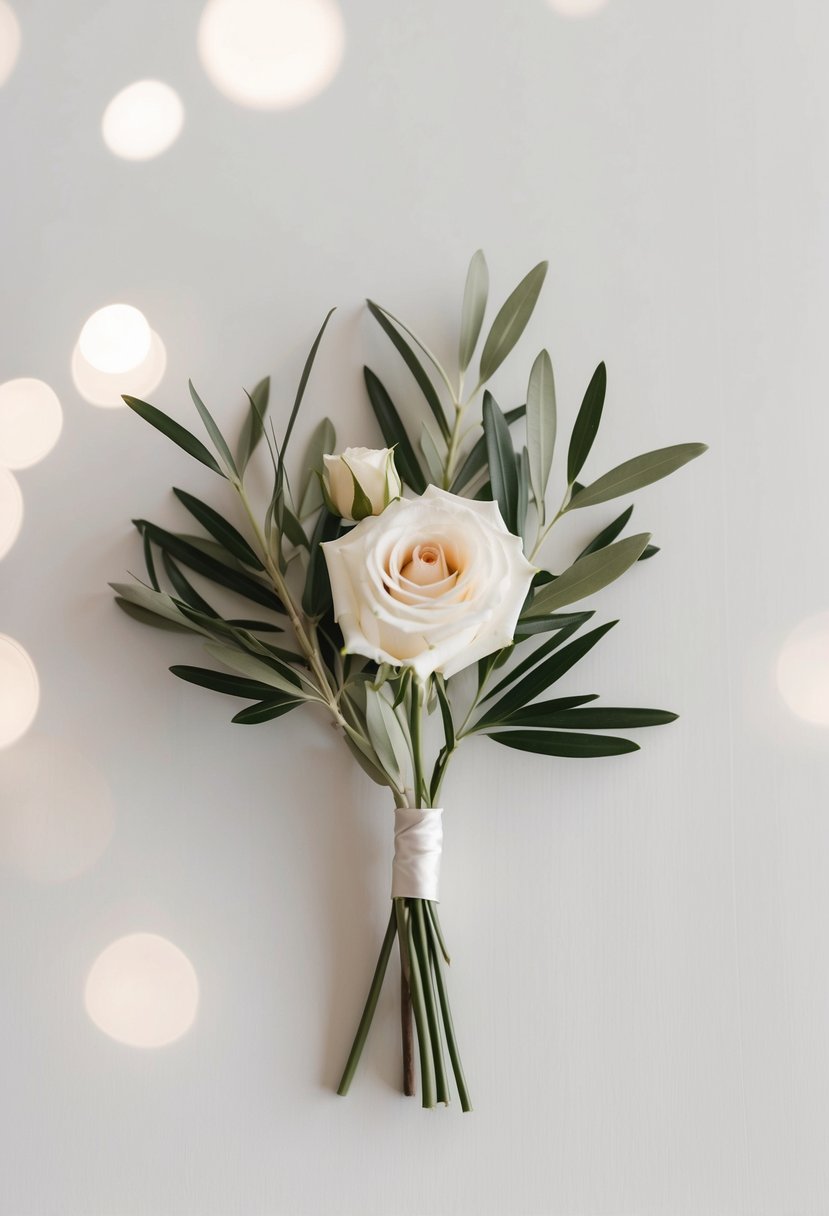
373, 470
434, 583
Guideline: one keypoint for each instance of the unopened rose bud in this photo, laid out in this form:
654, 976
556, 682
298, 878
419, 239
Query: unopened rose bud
361, 481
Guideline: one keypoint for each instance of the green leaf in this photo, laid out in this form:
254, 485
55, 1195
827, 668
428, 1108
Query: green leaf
218, 527
187, 553
542, 676
149, 562
501, 457
414, 365
213, 430
530, 626
158, 603
292, 528
433, 458
387, 737
475, 294
648, 551
511, 321
541, 424
590, 574
220, 681
476, 460
184, 589
565, 632
254, 423
316, 598
608, 534
587, 423
394, 433
300, 393
569, 717
149, 617
322, 442
562, 743
265, 711
173, 430
271, 672
636, 473
445, 712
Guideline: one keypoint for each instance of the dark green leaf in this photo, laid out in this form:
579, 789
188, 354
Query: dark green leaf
218, 527
265, 711
569, 717
184, 589
587, 423
588, 575
511, 321
542, 676
300, 393
173, 430
608, 534
220, 681
522, 468
316, 597
445, 712
648, 551
292, 528
503, 474
322, 442
475, 294
254, 423
204, 564
530, 626
564, 632
149, 562
394, 433
255, 626
213, 430
562, 743
414, 365
476, 460
636, 473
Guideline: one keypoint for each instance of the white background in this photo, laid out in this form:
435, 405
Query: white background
640, 972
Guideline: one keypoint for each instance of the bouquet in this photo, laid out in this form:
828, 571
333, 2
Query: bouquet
374, 578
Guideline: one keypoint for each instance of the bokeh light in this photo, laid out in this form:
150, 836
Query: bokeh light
56, 815
30, 422
577, 8
143, 120
106, 389
115, 339
9, 41
271, 54
11, 511
803, 670
19, 691
143, 991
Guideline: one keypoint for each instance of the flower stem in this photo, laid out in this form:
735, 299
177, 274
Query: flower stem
370, 1007
407, 1033
446, 1012
425, 967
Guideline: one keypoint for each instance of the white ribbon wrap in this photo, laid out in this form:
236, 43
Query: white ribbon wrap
418, 843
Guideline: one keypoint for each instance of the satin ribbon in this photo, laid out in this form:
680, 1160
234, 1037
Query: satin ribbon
418, 843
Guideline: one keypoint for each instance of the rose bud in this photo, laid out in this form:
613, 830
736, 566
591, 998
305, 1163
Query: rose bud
360, 482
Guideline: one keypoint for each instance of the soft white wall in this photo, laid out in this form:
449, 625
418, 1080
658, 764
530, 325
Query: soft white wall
641, 975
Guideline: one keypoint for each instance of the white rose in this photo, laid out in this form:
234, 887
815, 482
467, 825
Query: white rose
434, 583
361, 481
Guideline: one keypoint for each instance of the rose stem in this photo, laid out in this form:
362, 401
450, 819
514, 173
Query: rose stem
370, 1006
422, 946
408, 1035
448, 1026
427, 1073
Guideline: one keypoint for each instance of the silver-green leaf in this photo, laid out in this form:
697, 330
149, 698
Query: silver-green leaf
636, 473
541, 424
474, 306
588, 575
511, 321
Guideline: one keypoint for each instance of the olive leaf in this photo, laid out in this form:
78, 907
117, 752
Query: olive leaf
541, 424
511, 321
589, 574
173, 430
587, 423
636, 473
475, 294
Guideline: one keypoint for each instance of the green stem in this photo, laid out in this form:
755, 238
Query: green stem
416, 721
421, 943
449, 1029
427, 1070
370, 1007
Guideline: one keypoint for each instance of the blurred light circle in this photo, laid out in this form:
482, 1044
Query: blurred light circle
106, 389
143, 991
803, 670
30, 422
143, 120
577, 8
56, 813
115, 338
271, 54
11, 511
9, 41
19, 691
